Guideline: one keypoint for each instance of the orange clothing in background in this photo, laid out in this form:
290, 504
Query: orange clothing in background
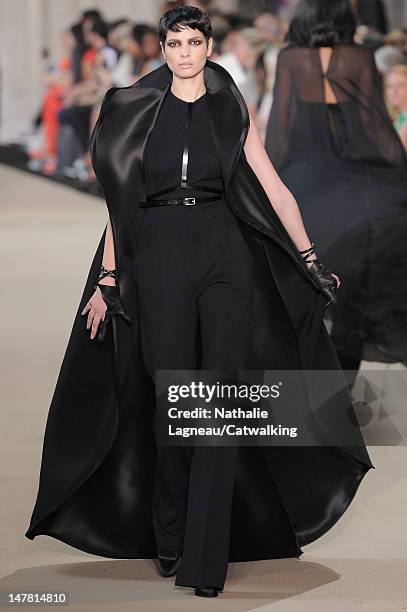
52, 104
87, 62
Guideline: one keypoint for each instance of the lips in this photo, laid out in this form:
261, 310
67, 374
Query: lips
185, 65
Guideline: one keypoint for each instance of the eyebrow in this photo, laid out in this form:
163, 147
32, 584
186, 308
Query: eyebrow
177, 39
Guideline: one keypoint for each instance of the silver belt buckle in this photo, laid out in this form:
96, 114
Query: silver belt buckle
189, 203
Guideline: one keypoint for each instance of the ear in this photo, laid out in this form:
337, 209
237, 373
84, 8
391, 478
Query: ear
162, 50
210, 47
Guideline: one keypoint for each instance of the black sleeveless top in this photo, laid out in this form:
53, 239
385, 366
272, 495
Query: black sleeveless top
181, 146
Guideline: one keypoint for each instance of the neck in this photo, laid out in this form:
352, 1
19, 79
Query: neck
188, 89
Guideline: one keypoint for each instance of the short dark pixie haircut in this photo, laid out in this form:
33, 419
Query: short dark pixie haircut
322, 23
190, 16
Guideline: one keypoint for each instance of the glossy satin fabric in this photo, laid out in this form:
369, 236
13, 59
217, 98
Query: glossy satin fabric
98, 460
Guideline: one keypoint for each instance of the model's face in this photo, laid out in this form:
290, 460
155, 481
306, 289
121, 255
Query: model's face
396, 90
185, 52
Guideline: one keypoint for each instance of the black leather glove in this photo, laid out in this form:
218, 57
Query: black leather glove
115, 307
325, 280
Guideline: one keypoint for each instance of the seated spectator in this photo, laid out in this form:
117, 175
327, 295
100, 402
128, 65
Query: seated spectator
271, 27
387, 57
241, 61
97, 38
147, 37
396, 97
57, 79
87, 20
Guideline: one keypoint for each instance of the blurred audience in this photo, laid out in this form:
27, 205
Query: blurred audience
97, 54
371, 13
245, 47
396, 96
387, 57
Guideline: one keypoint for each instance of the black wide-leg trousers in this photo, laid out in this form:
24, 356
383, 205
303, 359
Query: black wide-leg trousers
194, 274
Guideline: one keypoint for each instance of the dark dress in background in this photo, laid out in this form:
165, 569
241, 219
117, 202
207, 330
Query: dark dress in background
347, 168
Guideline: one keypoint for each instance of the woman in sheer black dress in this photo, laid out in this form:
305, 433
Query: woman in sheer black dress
332, 140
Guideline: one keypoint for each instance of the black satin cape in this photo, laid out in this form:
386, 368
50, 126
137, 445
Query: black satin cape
98, 460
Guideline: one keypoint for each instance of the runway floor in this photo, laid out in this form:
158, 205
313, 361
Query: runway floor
48, 236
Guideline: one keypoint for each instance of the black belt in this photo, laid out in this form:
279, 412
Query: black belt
177, 202
186, 201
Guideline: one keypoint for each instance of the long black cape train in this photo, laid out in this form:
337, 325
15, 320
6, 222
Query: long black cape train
98, 459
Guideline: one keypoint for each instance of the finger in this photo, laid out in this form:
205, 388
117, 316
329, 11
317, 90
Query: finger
85, 310
94, 329
91, 316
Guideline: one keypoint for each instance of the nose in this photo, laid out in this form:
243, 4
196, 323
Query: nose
185, 52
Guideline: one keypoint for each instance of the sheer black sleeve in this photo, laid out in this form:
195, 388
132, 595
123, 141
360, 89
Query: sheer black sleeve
282, 112
374, 114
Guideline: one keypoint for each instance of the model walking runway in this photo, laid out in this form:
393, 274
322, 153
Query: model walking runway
195, 269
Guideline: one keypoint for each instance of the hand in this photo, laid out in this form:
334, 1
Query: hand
338, 281
327, 281
115, 307
97, 311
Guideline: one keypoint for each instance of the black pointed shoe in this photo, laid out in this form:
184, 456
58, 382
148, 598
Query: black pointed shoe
207, 591
167, 566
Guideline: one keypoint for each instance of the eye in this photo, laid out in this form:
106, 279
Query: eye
197, 41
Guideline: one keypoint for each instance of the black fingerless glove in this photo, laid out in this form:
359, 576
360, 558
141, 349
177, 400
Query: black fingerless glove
115, 307
325, 280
